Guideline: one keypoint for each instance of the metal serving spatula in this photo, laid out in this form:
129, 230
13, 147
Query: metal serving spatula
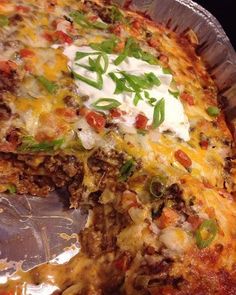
35, 230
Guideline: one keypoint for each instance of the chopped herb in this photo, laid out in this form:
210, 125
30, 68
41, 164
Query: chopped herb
166, 71
156, 188
159, 113
206, 233
99, 64
127, 169
3, 21
84, 22
116, 15
142, 131
137, 98
152, 79
50, 86
96, 84
11, 188
30, 145
174, 93
106, 104
213, 111
120, 84
133, 49
107, 46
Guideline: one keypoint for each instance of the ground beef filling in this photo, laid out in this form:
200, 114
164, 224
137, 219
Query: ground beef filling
38, 175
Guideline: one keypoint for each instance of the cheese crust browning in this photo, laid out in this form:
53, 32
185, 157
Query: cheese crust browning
154, 164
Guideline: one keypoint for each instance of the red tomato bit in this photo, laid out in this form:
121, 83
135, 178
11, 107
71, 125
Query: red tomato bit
188, 98
95, 120
141, 121
183, 158
63, 37
115, 113
25, 52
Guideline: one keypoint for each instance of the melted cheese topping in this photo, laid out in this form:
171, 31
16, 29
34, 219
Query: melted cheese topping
175, 119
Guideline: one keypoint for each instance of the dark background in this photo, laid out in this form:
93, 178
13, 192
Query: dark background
225, 12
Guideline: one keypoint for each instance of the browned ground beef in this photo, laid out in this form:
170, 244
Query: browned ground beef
40, 174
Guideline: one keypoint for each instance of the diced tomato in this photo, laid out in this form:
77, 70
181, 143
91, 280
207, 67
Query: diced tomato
67, 113
47, 36
136, 24
28, 67
63, 37
183, 158
154, 42
22, 8
120, 46
122, 263
115, 113
188, 98
164, 58
204, 144
167, 218
25, 52
83, 111
141, 121
195, 221
7, 147
95, 120
7, 66
116, 29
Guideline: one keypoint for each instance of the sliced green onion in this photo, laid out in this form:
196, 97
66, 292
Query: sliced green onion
11, 188
79, 55
106, 104
3, 21
174, 93
213, 111
166, 71
84, 22
206, 233
120, 84
137, 98
50, 86
30, 145
127, 169
116, 15
133, 49
99, 25
106, 46
96, 84
152, 79
156, 188
159, 113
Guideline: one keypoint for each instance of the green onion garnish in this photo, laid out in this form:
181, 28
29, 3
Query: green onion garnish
50, 86
127, 169
156, 188
30, 145
96, 84
213, 111
11, 188
3, 21
174, 93
206, 233
106, 104
84, 22
159, 113
106, 46
133, 49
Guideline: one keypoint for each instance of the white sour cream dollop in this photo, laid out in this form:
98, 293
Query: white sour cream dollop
175, 119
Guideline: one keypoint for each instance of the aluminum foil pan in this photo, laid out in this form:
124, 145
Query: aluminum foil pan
39, 225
